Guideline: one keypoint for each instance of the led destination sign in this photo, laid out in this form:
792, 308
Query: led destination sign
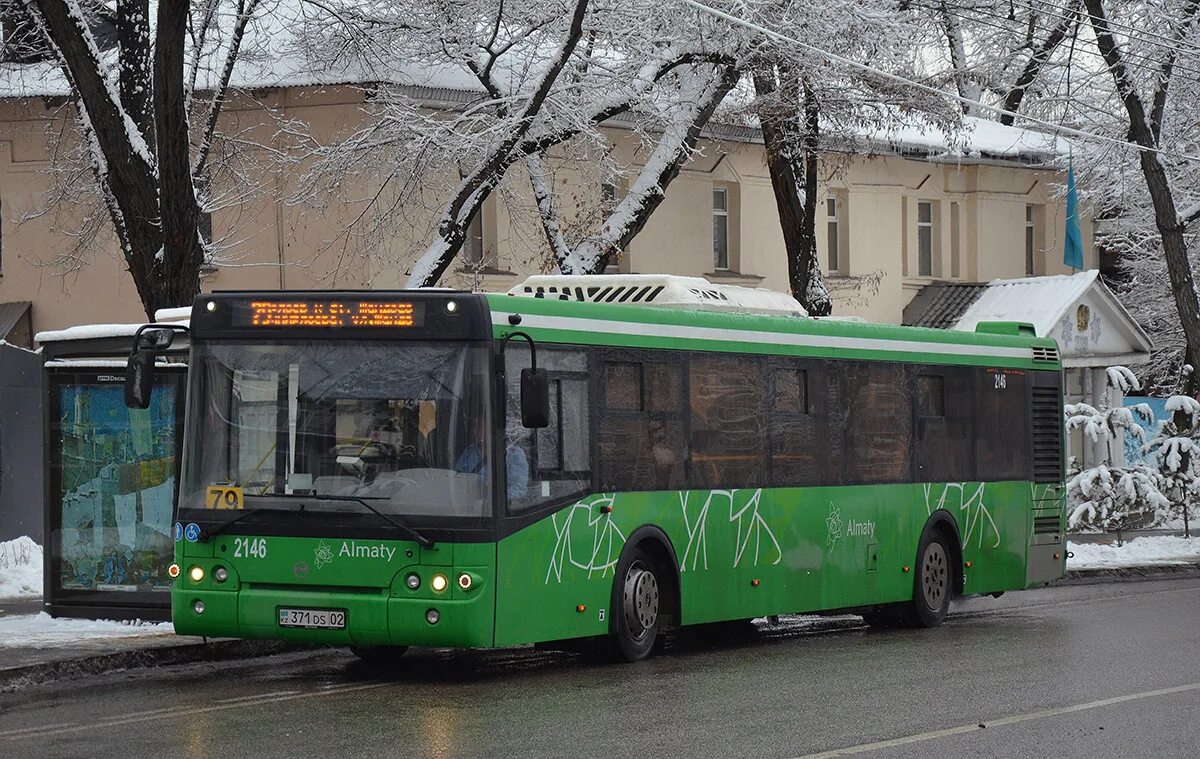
330, 313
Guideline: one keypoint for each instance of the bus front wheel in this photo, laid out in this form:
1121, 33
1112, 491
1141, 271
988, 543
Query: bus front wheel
638, 596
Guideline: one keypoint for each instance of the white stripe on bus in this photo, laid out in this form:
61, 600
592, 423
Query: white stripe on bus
576, 324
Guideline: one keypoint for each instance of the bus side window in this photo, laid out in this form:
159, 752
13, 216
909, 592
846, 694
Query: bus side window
727, 440
1002, 424
879, 431
944, 450
791, 427
640, 429
557, 459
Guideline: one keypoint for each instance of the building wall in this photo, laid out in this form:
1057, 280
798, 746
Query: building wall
978, 220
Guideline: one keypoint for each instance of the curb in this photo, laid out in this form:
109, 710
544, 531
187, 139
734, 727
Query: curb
15, 678
1129, 574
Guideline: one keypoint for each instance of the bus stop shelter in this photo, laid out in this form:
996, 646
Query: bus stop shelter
110, 475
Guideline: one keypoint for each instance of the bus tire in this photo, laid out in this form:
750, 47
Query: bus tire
637, 606
384, 656
933, 586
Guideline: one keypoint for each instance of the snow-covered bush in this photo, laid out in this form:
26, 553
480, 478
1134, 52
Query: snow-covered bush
1105, 497
1111, 498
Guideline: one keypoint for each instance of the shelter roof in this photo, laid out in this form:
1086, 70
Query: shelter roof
1078, 310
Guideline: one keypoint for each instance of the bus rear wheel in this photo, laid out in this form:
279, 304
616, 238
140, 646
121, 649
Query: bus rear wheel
385, 656
638, 603
933, 586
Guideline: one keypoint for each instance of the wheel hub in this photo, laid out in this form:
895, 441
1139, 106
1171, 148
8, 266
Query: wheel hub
935, 573
640, 598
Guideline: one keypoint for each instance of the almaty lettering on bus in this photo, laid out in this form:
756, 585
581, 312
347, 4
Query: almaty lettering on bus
358, 551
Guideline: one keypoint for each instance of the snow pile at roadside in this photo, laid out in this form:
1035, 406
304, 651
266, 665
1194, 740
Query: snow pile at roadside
1144, 551
43, 631
20, 568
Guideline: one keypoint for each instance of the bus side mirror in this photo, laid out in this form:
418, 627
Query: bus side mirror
535, 398
148, 342
139, 378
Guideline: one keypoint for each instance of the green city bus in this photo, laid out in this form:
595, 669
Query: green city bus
440, 468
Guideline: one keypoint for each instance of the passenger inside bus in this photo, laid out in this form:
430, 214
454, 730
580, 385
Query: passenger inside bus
471, 461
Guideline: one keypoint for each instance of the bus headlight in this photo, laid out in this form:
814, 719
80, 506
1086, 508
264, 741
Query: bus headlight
220, 574
432, 616
439, 582
412, 581
198, 607
196, 573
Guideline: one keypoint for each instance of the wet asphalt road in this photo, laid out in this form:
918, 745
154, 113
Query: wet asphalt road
1085, 671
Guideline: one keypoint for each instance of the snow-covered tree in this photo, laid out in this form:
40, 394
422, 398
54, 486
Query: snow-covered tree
1176, 449
136, 71
546, 73
1147, 92
1000, 56
1111, 497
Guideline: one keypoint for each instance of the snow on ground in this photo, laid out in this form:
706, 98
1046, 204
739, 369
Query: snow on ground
1139, 552
20, 568
43, 631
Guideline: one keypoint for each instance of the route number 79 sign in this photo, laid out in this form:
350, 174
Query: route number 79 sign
226, 497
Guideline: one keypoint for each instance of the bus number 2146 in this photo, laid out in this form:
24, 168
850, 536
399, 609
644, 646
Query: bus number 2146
249, 548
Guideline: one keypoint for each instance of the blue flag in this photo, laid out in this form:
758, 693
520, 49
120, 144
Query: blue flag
1073, 246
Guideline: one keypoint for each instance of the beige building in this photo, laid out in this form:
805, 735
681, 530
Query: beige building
915, 211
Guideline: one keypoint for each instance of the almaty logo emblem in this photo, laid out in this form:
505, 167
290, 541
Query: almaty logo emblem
322, 555
833, 524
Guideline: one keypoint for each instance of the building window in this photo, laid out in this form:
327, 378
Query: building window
720, 229
472, 248
1029, 268
831, 227
924, 238
608, 198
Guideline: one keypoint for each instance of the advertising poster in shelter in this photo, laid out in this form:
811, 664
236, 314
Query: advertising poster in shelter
114, 473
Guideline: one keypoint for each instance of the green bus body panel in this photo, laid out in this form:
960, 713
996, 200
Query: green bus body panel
929, 346
809, 549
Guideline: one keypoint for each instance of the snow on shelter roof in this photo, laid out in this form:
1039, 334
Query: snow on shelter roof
98, 331
274, 58
1078, 310
662, 290
1041, 301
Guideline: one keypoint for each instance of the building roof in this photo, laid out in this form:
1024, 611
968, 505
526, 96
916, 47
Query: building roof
11, 314
941, 304
274, 58
1078, 310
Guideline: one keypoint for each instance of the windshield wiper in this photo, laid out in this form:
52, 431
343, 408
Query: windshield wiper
364, 502
208, 532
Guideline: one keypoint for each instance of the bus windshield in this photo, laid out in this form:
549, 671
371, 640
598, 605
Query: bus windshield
402, 424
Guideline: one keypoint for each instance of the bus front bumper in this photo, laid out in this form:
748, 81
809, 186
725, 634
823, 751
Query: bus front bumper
372, 618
